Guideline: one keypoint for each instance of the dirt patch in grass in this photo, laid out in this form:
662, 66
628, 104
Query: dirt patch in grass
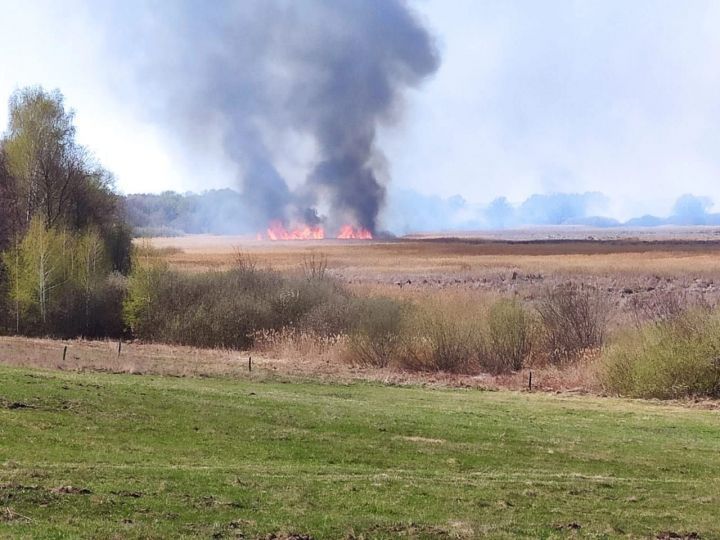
12, 405
418, 530
287, 536
422, 440
70, 490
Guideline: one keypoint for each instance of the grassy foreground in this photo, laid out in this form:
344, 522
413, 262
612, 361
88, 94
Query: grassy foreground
100, 455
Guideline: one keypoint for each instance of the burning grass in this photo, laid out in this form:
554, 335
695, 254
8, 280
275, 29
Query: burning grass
278, 231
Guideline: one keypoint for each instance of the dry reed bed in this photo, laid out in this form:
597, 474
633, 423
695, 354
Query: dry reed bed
372, 261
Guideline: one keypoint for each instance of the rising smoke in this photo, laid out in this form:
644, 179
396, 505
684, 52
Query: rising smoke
248, 73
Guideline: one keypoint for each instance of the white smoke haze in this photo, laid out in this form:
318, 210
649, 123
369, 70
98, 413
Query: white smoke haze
407, 212
410, 212
569, 96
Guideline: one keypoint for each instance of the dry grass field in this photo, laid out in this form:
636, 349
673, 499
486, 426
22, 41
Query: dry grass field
627, 267
458, 257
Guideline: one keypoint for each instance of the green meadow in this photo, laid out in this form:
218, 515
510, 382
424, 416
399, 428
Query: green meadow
122, 456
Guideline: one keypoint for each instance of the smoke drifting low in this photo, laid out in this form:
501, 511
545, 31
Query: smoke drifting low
250, 74
411, 212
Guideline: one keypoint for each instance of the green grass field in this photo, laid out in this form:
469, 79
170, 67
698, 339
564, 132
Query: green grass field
171, 457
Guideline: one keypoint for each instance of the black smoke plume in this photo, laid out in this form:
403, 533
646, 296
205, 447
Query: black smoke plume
250, 72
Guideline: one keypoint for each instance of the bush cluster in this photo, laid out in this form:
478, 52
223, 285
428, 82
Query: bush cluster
464, 336
232, 308
670, 358
376, 331
469, 337
574, 319
228, 308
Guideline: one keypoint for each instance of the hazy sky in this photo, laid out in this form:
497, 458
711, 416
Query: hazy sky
531, 97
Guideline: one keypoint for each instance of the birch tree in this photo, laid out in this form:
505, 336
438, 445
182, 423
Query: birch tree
36, 269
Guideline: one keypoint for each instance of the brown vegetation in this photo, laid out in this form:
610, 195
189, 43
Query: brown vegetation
178, 361
571, 294
379, 260
292, 305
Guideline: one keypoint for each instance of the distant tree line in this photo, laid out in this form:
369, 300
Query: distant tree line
221, 211
63, 231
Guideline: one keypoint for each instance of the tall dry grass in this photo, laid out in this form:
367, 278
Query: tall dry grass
453, 333
443, 336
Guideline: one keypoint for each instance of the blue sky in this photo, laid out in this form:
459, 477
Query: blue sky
531, 97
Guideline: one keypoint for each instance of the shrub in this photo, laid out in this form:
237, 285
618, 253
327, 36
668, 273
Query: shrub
467, 336
663, 305
333, 317
669, 359
228, 308
315, 266
93, 312
118, 244
442, 336
375, 336
509, 337
144, 283
7, 322
574, 319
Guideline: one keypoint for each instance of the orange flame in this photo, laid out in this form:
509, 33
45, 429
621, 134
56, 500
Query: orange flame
277, 231
348, 232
